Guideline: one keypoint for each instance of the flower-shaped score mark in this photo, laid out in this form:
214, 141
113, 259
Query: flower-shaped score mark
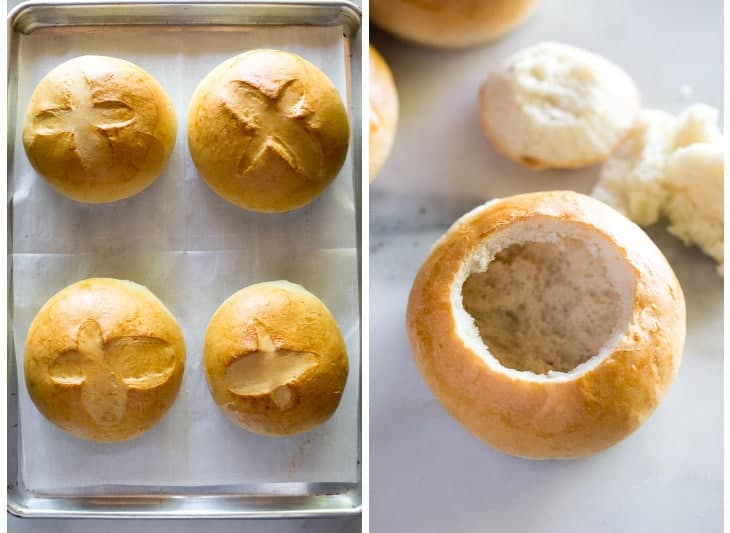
92, 122
268, 370
276, 124
106, 371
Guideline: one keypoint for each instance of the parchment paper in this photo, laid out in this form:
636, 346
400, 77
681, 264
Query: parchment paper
193, 250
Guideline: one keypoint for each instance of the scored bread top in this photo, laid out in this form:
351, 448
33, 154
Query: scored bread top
104, 359
99, 129
267, 130
275, 359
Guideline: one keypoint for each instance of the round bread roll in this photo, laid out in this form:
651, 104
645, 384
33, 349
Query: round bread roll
99, 129
548, 324
104, 359
383, 111
556, 106
449, 23
275, 360
267, 130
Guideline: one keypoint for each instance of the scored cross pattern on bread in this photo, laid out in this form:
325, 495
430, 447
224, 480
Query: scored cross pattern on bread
276, 123
107, 370
269, 370
83, 112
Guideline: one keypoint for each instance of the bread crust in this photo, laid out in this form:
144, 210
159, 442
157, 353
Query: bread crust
104, 359
99, 129
383, 111
290, 326
449, 23
549, 419
267, 131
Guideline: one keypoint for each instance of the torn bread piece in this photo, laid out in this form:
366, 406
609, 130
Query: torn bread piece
671, 166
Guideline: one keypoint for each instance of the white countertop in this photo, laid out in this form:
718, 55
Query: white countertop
428, 474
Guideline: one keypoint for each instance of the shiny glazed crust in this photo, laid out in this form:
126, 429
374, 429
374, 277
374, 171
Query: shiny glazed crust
99, 129
449, 23
299, 326
267, 130
383, 111
549, 418
104, 359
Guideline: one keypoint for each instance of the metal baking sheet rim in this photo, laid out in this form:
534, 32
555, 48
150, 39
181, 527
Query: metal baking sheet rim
276, 500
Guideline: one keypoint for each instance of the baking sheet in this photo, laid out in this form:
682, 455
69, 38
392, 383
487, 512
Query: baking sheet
193, 250
429, 474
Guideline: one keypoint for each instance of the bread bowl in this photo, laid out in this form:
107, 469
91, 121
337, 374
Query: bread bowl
99, 129
275, 359
104, 359
383, 111
449, 23
557, 106
267, 130
548, 324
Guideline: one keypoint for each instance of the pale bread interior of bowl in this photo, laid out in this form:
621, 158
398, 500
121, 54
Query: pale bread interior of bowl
545, 299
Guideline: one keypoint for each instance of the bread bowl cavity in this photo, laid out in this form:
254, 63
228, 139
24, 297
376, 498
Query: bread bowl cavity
543, 299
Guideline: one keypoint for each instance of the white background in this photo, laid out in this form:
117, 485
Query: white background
429, 474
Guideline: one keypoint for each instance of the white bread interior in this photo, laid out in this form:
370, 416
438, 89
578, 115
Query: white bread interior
557, 106
672, 166
543, 299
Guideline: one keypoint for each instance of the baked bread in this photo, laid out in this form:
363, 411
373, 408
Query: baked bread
104, 359
383, 111
449, 23
548, 324
672, 166
694, 178
631, 179
99, 129
275, 360
556, 106
267, 130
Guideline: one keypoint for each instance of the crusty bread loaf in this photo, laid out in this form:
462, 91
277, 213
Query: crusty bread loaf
99, 129
383, 111
557, 106
104, 359
275, 360
548, 324
449, 23
267, 130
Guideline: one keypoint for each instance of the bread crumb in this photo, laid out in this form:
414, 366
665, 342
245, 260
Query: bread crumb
686, 91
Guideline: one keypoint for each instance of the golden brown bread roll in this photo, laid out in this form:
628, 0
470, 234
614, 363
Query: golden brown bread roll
275, 360
267, 130
99, 129
383, 111
104, 359
449, 23
548, 324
